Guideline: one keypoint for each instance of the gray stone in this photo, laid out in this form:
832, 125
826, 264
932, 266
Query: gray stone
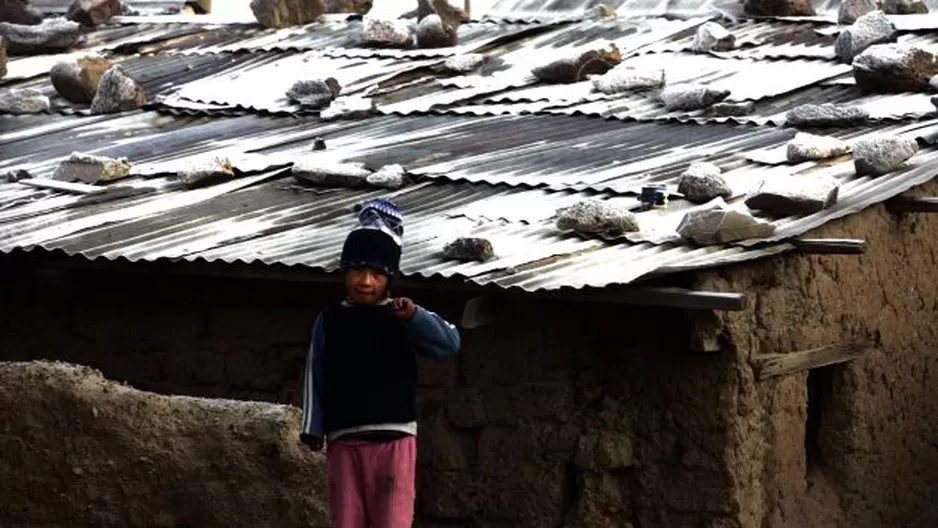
851, 10
719, 224
711, 36
286, 13
319, 170
779, 8
359, 7
734, 109
894, 68
201, 172
469, 249
314, 94
807, 147
350, 107
78, 80
689, 97
93, 13
117, 92
596, 217
827, 114
432, 32
387, 177
19, 12
627, 79
15, 175
567, 70
23, 101
52, 35
878, 155
793, 195
904, 7
387, 33
91, 169
464, 63
702, 182
871, 28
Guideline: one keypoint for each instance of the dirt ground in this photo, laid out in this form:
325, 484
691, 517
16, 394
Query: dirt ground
80, 450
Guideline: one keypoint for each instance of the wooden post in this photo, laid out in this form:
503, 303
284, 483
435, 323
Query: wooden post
907, 204
771, 365
830, 246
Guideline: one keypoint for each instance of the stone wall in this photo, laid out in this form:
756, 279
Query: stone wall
555, 414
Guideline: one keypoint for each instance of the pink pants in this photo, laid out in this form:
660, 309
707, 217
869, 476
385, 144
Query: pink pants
371, 484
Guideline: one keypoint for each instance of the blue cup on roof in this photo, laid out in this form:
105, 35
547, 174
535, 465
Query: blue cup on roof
654, 196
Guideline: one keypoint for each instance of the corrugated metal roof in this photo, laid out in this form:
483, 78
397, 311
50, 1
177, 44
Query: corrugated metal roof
101, 41
501, 174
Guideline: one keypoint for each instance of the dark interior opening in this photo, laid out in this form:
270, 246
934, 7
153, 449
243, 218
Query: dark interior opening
819, 384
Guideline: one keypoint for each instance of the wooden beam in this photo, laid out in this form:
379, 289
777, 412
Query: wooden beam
771, 365
830, 246
908, 204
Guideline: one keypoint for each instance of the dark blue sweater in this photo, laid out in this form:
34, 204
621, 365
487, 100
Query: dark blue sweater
361, 369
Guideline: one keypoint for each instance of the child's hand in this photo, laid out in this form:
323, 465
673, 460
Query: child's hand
403, 308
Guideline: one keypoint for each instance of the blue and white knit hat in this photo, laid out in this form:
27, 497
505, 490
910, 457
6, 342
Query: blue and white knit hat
376, 241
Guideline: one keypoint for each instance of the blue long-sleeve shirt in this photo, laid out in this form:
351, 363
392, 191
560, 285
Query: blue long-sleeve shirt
429, 335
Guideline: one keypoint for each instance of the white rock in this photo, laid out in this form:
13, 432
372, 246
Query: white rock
349, 107
826, 114
464, 63
711, 36
702, 182
23, 101
596, 217
393, 33
851, 10
688, 97
320, 170
871, 28
91, 169
718, 224
805, 147
878, 155
387, 177
793, 195
626, 79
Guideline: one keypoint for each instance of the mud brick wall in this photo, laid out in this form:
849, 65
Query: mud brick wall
555, 414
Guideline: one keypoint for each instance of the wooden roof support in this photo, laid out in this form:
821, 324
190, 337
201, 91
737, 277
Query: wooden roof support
908, 204
772, 365
830, 246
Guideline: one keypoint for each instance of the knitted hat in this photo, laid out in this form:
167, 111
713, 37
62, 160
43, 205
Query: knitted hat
376, 241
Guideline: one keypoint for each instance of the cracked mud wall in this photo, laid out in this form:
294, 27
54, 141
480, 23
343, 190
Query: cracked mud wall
874, 459
556, 414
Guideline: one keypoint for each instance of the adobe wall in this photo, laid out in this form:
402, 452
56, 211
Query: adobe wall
557, 414
876, 461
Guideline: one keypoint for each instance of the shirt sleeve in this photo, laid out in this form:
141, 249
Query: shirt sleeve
432, 336
313, 423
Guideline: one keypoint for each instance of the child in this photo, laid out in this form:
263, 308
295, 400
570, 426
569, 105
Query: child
360, 394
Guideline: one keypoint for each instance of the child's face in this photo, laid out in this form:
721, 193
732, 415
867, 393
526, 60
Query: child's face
365, 285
